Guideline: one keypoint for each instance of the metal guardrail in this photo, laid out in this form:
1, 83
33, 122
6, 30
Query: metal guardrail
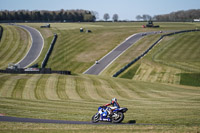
46, 58
1, 32
143, 54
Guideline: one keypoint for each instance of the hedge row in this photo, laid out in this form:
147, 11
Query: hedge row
143, 54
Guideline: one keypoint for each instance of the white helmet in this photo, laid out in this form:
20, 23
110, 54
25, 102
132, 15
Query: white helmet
114, 100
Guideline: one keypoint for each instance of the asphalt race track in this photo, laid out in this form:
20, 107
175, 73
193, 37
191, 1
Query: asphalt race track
115, 53
31, 120
35, 49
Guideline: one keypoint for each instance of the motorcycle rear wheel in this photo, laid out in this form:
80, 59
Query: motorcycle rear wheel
119, 118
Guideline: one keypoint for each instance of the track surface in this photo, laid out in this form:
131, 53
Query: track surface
115, 53
35, 49
31, 120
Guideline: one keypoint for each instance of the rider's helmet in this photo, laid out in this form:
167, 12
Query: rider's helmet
113, 100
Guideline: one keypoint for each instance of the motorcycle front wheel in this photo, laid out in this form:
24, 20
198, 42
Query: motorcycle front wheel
118, 118
95, 118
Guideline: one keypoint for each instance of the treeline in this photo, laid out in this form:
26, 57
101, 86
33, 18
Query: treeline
48, 16
182, 16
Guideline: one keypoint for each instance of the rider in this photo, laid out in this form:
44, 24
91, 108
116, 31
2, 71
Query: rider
114, 104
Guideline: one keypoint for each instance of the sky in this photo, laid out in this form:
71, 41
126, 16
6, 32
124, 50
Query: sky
126, 9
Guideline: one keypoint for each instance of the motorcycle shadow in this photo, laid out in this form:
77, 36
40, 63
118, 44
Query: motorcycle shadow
132, 121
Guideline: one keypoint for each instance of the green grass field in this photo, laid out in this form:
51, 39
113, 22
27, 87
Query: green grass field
172, 56
77, 51
15, 42
63, 97
152, 92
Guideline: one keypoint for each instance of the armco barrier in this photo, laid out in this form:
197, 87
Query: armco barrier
1, 32
39, 71
46, 58
143, 54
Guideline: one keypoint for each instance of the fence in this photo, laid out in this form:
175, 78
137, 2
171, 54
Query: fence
44, 63
1, 32
143, 54
36, 71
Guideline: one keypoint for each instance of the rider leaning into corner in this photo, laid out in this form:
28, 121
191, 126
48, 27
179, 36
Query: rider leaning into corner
114, 105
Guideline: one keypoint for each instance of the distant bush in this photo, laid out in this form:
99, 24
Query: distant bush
192, 79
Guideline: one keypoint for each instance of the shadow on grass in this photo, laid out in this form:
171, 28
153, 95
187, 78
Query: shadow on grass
132, 121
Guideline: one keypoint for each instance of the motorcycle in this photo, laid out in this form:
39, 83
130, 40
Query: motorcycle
104, 114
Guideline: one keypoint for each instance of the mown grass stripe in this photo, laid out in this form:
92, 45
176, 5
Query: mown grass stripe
61, 87
3, 79
40, 87
124, 90
8, 87
70, 87
98, 86
8, 41
5, 40
120, 91
81, 89
19, 87
14, 46
109, 90
140, 90
23, 46
68, 47
171, 51
136, 94
51, 87
91, 89
29, 89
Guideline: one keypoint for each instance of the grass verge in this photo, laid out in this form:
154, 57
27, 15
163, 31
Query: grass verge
192, 79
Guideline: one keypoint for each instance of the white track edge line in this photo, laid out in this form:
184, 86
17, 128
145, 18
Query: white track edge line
31, 44
111, 51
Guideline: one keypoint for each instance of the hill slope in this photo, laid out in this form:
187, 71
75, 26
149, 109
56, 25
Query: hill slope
14, 44
78, 97
172, 56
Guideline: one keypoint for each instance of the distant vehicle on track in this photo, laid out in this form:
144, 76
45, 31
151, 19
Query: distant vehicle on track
45, 26
150, 24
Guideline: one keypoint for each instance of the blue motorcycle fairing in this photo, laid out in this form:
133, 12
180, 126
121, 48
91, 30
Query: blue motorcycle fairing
103, 115
120, 109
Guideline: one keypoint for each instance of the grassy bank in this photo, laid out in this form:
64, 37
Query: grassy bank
77, 51
173, 55
147, 93
78, 97
14, 44
57, 128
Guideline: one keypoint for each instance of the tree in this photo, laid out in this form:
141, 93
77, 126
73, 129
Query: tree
44, 15
183, 16
146, 17
106, 16
95, 14
138, 17
115, 17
